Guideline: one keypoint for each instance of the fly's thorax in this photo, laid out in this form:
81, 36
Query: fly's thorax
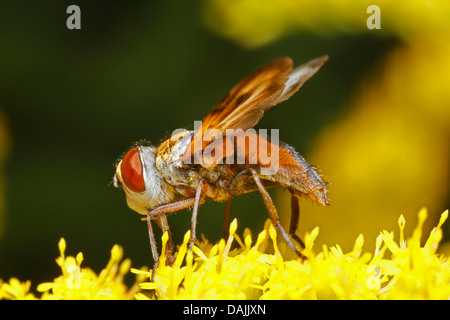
168, 159
144, 187
171, 150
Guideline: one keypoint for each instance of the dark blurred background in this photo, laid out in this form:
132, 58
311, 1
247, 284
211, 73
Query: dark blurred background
74, 100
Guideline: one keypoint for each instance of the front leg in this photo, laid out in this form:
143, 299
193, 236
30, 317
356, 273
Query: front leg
153, 247
158, 214
170, 207
183, 204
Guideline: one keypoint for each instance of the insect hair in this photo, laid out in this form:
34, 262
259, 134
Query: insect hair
138, 143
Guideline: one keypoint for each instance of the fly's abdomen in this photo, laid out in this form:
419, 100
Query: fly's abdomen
297, 175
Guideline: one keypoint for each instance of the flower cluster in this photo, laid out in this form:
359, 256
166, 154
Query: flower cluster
402, 270
76, 282
397, 269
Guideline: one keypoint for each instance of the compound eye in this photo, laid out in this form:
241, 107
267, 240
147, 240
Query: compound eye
132, 172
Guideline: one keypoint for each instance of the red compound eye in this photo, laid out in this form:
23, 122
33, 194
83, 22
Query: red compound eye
132, 173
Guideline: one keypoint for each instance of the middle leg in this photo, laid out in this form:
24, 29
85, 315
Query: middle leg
226, 219
199, 198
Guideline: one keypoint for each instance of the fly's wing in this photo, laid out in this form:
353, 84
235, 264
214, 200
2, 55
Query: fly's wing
245, 104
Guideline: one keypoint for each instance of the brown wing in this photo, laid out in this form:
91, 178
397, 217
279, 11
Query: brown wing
244, 105
261, 90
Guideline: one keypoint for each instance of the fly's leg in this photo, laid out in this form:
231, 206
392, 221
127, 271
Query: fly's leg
181, 204
198, 199
226, 219
273, 213
158, 214
153, 247
295, 216
173, 206
161, 221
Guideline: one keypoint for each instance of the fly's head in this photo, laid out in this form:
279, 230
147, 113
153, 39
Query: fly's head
137, 175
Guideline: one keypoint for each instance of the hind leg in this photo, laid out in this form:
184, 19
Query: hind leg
295, 216
273, 213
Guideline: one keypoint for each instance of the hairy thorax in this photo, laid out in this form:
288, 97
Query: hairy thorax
185, 175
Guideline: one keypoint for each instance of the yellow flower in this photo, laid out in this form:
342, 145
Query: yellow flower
77, 282
403, 269
416, 272
16, 290
259, 271
82, 283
